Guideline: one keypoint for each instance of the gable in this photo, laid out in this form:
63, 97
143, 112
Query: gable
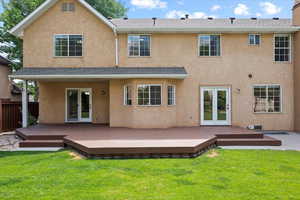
19, 28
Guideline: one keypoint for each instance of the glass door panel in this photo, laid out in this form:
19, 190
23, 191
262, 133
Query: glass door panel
208, 105
85, 97
222, 105
72, 105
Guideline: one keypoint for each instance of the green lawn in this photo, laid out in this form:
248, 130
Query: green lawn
232, 175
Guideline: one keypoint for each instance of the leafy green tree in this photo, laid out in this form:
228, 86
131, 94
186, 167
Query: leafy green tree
16, 10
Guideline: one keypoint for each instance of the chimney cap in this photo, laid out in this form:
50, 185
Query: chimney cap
275, 18
210, 18
186, 16
125, 18
253, 18
182, 18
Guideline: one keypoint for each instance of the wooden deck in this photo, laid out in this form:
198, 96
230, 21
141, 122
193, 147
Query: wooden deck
105, 142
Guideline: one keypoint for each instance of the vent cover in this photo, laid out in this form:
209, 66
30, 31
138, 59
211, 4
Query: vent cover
68, 7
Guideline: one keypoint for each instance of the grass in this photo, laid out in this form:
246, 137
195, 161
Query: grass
229, 175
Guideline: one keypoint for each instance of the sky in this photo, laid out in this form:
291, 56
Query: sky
207, 8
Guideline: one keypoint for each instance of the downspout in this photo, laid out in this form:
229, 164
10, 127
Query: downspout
117, 48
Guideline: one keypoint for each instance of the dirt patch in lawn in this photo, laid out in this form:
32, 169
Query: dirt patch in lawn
213, 154
75, 156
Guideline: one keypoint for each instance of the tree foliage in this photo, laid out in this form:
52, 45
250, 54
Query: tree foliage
16, 10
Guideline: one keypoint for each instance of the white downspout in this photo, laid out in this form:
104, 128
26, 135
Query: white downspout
24, 105
117, 48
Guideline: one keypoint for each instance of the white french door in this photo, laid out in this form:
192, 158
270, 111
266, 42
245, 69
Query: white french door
215, 106
78, 105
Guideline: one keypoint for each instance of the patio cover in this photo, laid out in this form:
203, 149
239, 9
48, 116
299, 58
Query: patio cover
42, 73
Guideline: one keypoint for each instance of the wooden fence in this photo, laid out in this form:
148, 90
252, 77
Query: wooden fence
11, 114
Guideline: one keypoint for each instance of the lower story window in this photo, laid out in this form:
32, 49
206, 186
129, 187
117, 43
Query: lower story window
171, 95
127, 95
149, 95
267, 99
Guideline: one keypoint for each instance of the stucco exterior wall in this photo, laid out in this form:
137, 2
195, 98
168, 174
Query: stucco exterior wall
232, 68
136, 116
53, 102
4, 82
98, 44
296, 22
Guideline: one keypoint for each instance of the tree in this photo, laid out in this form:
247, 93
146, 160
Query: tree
16, 10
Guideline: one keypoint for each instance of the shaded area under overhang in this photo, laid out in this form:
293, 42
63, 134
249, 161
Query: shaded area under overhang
44, 73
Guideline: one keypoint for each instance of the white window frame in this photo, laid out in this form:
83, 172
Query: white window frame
125, 95
209, 45
54, 47
174, 99
161, 94
268, 85
139, 56
290, 47
254, 34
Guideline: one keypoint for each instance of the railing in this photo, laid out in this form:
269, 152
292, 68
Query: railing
11, 114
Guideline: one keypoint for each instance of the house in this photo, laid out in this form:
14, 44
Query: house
160, 73
7, 89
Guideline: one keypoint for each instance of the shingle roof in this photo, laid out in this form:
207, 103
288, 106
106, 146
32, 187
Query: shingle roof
194, 23
271, 25
4, 61
102, 72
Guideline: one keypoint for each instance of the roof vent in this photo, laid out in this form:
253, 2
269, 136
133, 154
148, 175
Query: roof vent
210, 18
254, 18
186, 16
154, 20
275, 18
125, 18
182, 18
232, 19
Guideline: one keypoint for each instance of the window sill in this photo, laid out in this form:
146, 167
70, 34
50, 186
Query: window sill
67, 56
267, 112
282, 62
139, 56
210, 57
148, 105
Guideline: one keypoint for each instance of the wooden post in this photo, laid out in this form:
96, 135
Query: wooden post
1, 120
24, 105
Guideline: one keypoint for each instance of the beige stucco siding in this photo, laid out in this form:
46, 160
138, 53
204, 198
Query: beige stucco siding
98, 45
4, 82
52, 101
232, 68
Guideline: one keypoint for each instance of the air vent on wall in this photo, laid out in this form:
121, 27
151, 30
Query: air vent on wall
68, 7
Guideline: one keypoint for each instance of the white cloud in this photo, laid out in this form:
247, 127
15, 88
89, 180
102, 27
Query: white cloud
270, 8
182, 13
150, 4
258, 14
215, 8
180, 2
241, 9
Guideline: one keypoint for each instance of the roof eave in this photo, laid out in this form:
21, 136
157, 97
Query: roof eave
19, 28
211, 29
102, 76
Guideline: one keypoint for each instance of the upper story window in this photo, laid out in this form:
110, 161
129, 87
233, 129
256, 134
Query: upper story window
68, 7
209, 45
139, 45
127, 95
68, 45
267, 99
254, 39
282, 48
171, 95
149, 95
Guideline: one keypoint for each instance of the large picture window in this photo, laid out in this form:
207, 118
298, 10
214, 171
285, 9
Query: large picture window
149, 95
209, 45
282, 48
267, 99
68, 45
139, 45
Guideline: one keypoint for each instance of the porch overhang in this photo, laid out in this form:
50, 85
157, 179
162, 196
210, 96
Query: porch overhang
100, 73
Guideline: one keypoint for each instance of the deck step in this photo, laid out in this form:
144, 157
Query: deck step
266, 141
42, 143
39, 137
240, 135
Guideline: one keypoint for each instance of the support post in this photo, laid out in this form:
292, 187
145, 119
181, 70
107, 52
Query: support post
24, 105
